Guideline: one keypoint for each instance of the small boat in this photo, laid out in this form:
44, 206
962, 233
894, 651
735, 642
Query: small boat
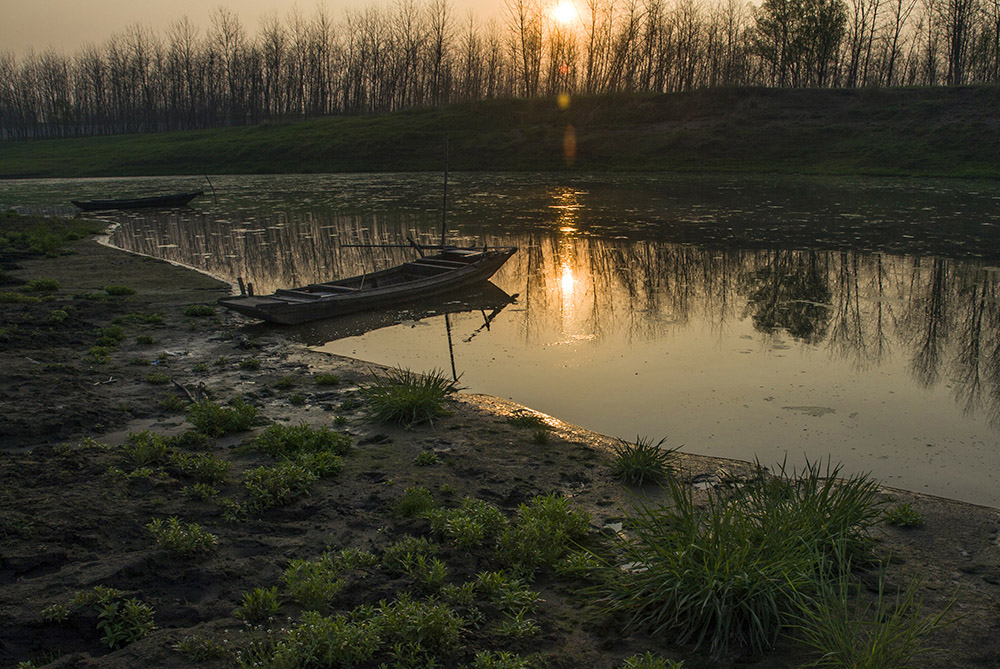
162, 201
427, 276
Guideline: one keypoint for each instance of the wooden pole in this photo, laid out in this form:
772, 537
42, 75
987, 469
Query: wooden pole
444, 208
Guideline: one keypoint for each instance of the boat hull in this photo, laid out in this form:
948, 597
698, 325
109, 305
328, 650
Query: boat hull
161, 201
299, 305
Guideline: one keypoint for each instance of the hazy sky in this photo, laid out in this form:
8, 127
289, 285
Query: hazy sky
69, 24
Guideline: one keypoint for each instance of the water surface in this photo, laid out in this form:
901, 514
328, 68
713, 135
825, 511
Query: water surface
776, 317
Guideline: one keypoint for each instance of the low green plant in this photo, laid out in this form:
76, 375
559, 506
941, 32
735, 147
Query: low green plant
250, 363
197, 648
317, 640
286, 441
503, 659
650, 661
138, 362
202, 491
426, 458
183, 538
158, 378
904, 515
143, 319
10, 297
415, 501
517, 626
124, 622
100, 354
56, 612
507, 592
297, 399
314, 584
340, 421
221, 361
119, 290
527, 420
285, 382
58, 315
269, 487
542, 533
398, 555
202, 467
145, 448
541, 437
326, 379
217, 421
407, 398
174, 403
7, 332
111, 336
199, 310
641, 461
258, 605
474, 523
145, 340
43, 285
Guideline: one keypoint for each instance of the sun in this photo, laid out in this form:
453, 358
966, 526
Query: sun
564, 12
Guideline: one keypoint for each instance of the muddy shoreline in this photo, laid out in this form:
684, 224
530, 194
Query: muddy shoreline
65, 525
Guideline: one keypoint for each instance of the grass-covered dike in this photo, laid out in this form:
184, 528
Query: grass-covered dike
266, 506
949, 132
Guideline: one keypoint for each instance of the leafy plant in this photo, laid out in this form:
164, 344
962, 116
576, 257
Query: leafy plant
399, 554
119, 290
641, 461
278, 485
407, 398
904, 515
650, 661
202, 491
250, 363
200, 310
326, 379
198, 648
158, 378
183, 538
503, 659
285, 383
145, 448
544, 529
44, 285
415, 501
202, 467
517, 626
258, 605
314, 584
124, 622
525, 419
145, 340
426, 458
297, 399
285, 441
473, 523
217, 421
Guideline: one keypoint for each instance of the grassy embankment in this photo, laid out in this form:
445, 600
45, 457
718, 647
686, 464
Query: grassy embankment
950, 132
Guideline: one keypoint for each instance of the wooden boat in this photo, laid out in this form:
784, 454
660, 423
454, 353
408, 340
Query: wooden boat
427, 276
162, 201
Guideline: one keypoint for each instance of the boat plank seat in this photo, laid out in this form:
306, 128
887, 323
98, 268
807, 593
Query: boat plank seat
297, 294
328, 288
438, 262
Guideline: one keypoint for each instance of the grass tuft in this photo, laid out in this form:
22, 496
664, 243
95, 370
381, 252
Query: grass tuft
407, 398
642, 461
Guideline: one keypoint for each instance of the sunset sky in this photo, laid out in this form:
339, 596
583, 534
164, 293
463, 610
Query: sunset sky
69, 24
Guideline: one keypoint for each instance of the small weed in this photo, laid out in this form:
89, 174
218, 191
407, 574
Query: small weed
200, 310
297, 399
259, 605
527, 420
179, 537
641, 461
145, 340
58, 315
7, 332
503, 659
100, 354
202, 491
340, 421
41, 286
326, 379
416, 501
217, 421
250, 363
221, 361
142, 319
506, 592
198, 648
407, 398
200, 368
9, 297
474, 523
904, 515
315, 584
350, 404
285, 382
278, 485
117, 290
426, 458
145, 448
286, 441
650, 661
202, 467
174, 404
398, 555
56, 613
124, 621
138, 362
541, 437
517, 626
158, 378
545, 528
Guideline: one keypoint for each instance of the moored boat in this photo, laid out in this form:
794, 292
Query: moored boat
424, 277
173, 200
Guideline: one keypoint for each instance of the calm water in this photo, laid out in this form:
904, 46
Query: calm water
737, 316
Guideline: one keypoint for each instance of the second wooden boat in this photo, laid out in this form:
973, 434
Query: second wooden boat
428, 276
162, 201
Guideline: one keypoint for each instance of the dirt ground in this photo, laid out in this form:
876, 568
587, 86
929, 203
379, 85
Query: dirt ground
66, 525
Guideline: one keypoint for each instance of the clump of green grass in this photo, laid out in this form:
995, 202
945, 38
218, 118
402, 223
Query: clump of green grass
202, 491
904, 515
326, 379
297, 399
145, 340
286, 441
641, 461
111, 336
289, 479
183, 538
889, 632
525, 419
119, 290
200, 310
285, 383
58, 315
43, 285
174, 403
217, 421
407, 398
315, 584
415, 501
100, 354
507, 592
736, 570
10, 297
145, 448
397, 555
545, 528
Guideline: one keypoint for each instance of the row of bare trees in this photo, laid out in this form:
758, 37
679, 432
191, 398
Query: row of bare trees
419, 53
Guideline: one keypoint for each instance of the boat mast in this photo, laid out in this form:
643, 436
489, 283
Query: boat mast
444, 206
